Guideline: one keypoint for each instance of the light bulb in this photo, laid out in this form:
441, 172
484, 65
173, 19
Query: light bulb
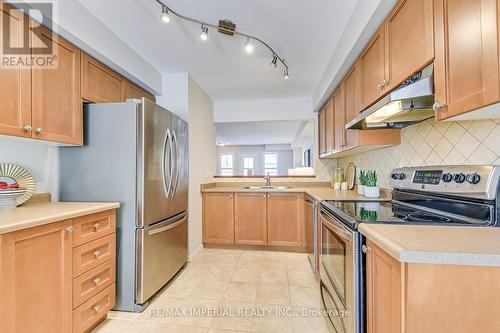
204, 33
249, 46
285, 74
165, 17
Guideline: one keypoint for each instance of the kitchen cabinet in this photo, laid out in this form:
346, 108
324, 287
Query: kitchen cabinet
99, 83
218, 218
339, 131
57, 109
467, 60
15, 83
250, 218
136, 92
285, 219
39, 285
371, 66
399, 295
330, 122
36, 279
322, 131
410, 40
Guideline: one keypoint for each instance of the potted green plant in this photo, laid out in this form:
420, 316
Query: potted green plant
371, 189
362, 182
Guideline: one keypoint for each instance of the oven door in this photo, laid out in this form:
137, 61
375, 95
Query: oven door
338, 273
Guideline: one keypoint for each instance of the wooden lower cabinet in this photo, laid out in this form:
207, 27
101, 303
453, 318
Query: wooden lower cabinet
38, 286
285, 219
250, 218
426, 298
218, 218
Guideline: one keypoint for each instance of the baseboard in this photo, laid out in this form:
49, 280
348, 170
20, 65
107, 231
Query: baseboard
195, 252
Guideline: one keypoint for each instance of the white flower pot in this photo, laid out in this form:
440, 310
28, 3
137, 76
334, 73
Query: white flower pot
372, 192
361, 189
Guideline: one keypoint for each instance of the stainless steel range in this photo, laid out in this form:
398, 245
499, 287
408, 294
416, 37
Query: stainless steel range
441, 195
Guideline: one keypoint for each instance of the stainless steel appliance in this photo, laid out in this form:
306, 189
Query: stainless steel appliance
310, 207
135, 153
440, 195
410, 103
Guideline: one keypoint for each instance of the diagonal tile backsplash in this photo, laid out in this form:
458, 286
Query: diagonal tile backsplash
433, 143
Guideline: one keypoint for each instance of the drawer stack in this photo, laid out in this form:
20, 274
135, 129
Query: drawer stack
94, 269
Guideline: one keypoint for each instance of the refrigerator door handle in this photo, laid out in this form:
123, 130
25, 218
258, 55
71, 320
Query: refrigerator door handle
167, 227
171, 166
177, 157
166, 143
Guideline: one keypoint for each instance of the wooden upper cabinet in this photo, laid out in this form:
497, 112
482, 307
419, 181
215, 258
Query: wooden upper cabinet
136, 92
351, 105
330, 126
322, 131
250, 218
36, 277
15, 83
57, 109
410, 40
218, 218
339, 119
371, 66
99, 83
467, 60
285, 219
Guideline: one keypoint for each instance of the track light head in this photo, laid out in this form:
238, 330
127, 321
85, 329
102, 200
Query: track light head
285, 74
249, 46
165, 16
274, 62
204, 33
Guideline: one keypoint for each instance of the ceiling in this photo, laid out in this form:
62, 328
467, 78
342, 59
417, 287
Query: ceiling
305, 33
259, 132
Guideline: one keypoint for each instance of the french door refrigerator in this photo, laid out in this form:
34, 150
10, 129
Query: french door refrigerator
135, 153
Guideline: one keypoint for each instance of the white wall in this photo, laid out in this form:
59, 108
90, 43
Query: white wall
38, 158
263, 110
175, 94
201, 157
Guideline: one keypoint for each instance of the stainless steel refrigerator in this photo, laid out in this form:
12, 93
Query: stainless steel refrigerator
135, 153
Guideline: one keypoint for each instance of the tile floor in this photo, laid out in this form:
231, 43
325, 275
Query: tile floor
224, 291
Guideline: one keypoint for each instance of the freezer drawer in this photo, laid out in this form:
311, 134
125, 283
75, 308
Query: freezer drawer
161, 253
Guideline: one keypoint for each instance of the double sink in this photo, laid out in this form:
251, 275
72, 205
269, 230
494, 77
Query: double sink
267, 187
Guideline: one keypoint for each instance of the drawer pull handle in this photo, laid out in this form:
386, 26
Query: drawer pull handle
96, 281
97, 226
97, 254
96, 307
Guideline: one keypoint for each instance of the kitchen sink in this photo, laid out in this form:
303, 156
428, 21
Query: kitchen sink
267, 187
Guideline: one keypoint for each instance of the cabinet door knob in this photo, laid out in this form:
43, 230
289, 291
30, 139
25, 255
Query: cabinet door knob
437, 106
96, 281
97, 254
96, 307
380, 86
365, 248
28, 128
39, 130
69, 229
385, 83
97, 226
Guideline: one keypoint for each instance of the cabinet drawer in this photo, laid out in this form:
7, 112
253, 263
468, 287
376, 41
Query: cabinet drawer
94, 226
88, 284
90, 255
95, 309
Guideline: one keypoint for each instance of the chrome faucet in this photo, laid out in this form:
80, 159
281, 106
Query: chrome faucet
268, 180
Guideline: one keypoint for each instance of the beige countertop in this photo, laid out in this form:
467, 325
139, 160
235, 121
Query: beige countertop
478, 246
317, 192
47, 212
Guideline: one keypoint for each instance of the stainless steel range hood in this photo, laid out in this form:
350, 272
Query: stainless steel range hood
407, 105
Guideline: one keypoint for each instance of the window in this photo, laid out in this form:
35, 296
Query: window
271, 164
226, 165
248, 166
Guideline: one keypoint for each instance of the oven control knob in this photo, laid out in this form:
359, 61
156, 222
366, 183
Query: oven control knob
447, 177
459, 178
398, 176
473, 178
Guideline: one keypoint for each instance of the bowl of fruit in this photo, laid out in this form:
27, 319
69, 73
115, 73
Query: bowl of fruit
9, 192
16, 186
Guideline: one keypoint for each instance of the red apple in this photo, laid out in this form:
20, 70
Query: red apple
15, 185
3, 184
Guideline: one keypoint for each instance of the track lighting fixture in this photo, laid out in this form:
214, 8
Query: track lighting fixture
165, 17
274, 61
227, 28
204, 33
249, 46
